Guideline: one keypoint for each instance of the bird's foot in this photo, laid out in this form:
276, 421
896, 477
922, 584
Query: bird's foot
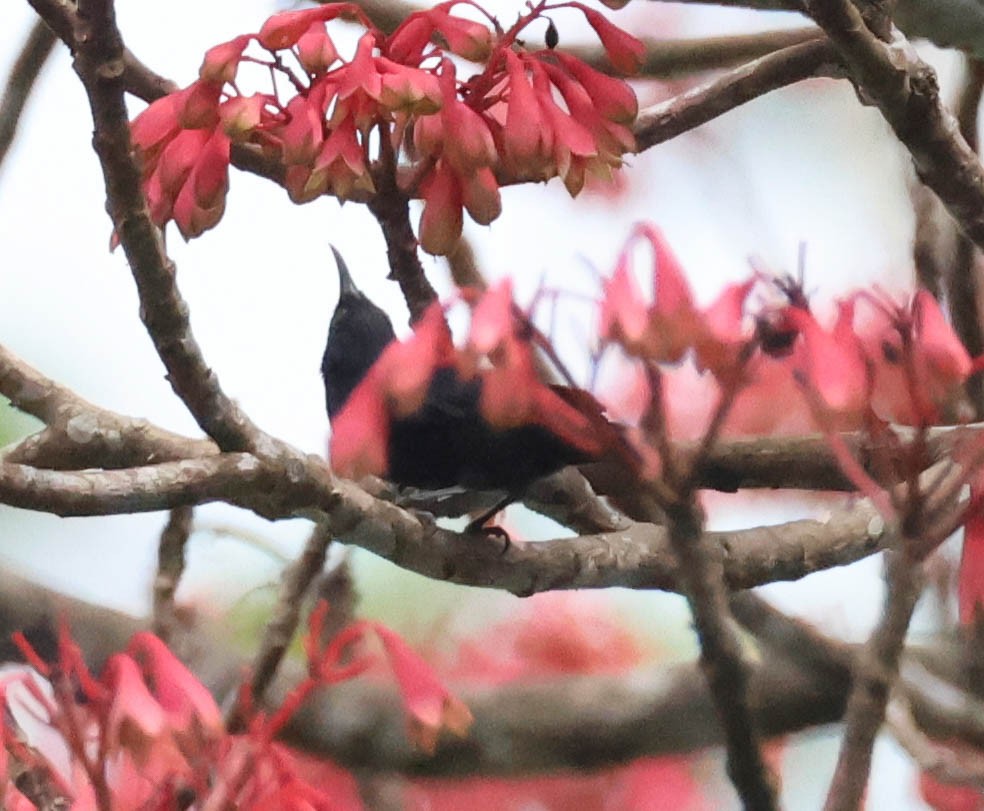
490, 531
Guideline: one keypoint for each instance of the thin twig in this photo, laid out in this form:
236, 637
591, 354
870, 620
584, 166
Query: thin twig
337, 588
280, 630
27, 67
464, 267
170, 567
721, 657
876, 670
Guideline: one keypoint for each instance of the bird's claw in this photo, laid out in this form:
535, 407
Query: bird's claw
491, 531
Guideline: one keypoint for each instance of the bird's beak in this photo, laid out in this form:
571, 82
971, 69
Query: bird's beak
345, 282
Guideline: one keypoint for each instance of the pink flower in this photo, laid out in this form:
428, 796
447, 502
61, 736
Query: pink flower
189, 708
831, 364
283, 30
441, 220
466, 38
920, 364
624, 50
526, 137
136, 721
429, 703
664, 330
222, 61
201, 201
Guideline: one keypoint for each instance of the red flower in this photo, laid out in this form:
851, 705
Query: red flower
408, 90
725, 330
664, 330
831, 364
189, 708
201, 201
466, 38
624, 50
136, 721
283, 30
970, 581
612, 98
222, 61
527, 140
441, 220
315, 49
342, 161
430, 704
395, 386
504, 121
920, 364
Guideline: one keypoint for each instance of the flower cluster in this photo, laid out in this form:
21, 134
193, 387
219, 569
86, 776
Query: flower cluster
398, 102
669, 326
896, 361
511, 392
147, 734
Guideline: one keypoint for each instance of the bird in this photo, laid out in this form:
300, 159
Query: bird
446, 443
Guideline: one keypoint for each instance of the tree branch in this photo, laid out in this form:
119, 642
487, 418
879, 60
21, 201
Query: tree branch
80, 434
280, 629
170, 567
963, 284
131, 490
656, 710
677, 58
722, 661
905, 90
635, 557
27, 67
390, 205
697, 106
98, 50
876, 669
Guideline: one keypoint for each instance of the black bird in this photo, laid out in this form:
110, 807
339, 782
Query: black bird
446, 443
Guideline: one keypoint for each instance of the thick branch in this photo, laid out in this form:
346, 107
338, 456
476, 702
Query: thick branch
80, 434
801, 680
905, 90
99, 63
131, 490
518, 727
636, 557
540, 727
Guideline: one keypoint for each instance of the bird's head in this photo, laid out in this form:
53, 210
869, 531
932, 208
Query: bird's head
358, 334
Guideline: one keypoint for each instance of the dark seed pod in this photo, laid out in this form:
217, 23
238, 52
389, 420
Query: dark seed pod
551, 37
